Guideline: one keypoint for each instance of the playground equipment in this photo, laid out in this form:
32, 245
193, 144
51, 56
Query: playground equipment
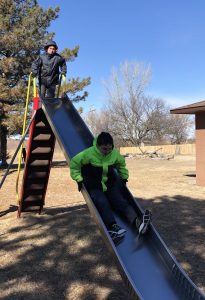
147, 266
39, 156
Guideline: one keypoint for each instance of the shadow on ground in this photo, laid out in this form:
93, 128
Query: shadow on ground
11, 208
190, 175
59, 164
181, 223
60, 255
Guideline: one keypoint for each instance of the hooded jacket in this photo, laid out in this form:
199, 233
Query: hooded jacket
46, 67
97, 170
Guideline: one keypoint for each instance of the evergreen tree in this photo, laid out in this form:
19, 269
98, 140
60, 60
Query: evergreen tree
23, 32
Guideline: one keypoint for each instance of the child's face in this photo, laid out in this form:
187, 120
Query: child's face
105, 149
51, 50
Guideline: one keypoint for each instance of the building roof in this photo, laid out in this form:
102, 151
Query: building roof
190, 109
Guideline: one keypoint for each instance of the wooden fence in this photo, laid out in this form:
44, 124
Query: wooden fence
183, 149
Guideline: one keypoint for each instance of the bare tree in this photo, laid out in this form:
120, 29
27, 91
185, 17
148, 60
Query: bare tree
179, 128
97, 121
135, 117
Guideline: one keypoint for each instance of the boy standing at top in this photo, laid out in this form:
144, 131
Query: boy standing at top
94, 167
47, 68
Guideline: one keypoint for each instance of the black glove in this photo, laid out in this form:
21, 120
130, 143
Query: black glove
80, 185
124, 181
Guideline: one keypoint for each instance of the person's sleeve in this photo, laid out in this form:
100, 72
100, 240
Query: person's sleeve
36, 66
63, 67
75, 167
121, 167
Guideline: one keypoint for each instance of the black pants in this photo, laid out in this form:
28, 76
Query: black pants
47, 92
105, 201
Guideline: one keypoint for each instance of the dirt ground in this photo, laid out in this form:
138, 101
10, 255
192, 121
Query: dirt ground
60, 254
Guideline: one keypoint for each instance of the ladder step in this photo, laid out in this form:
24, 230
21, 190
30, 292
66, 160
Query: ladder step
37, 174
44, 150
41, 124
42, 130
40, 156
38, 168
35, 186
42, 137
27, 204
40, 143
36, 180
38, 162
31, 198
33, 192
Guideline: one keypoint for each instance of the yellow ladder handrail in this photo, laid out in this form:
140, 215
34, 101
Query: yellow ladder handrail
23, 130
34, 87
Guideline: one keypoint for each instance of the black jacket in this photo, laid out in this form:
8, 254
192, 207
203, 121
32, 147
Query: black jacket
46, 67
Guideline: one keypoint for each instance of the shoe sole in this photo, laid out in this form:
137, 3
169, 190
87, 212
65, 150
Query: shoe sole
120, 232
146, 221
116, 236
117, 239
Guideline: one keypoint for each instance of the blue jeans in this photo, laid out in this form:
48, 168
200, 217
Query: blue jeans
105, 201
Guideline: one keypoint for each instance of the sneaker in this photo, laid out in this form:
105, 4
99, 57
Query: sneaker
117, 239
116, 231
137, 223
145, 222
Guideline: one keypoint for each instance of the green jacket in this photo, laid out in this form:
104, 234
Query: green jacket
97, 170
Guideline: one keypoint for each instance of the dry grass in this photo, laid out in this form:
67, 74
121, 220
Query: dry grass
60, 254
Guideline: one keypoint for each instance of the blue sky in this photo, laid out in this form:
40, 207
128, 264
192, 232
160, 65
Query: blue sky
168, 35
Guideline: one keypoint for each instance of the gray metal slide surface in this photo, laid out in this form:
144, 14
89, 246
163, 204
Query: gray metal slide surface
146, 264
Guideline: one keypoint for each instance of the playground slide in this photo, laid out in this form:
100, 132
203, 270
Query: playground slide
146, 264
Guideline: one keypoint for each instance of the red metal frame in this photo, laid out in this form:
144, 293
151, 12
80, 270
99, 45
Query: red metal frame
36, 106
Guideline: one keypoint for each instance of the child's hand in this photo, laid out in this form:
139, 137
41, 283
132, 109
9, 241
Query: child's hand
80, 185
124, 181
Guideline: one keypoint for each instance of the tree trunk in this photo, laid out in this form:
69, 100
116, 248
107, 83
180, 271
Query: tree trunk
3, 146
